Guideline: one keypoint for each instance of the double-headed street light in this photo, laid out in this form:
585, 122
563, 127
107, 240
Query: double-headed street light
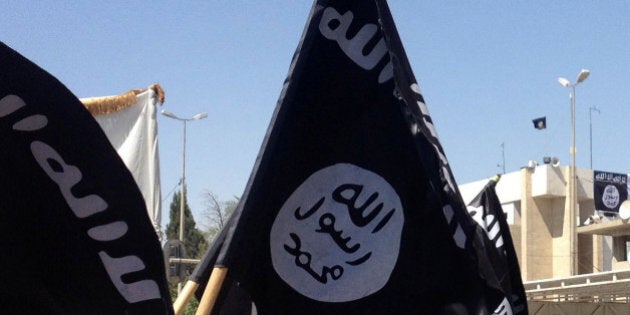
571, 197
183, 196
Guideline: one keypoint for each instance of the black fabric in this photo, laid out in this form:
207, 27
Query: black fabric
609, 190
502, 266
69, 208
540, 123
349, 109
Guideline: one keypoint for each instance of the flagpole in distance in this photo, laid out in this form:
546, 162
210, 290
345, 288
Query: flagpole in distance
590, 129
541, 124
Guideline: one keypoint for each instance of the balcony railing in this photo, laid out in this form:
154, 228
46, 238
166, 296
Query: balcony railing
609, 287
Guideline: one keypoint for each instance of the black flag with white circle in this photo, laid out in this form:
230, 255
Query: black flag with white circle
609, 191
352, 206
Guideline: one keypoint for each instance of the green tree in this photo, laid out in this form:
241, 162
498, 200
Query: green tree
194, 241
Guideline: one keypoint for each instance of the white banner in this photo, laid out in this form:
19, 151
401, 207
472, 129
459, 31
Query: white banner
132, 131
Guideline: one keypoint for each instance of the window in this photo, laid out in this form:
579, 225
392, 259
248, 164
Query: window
621, 247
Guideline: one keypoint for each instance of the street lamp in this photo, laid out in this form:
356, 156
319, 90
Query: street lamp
571, 198
183, 196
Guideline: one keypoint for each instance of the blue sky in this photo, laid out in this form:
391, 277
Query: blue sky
486, 69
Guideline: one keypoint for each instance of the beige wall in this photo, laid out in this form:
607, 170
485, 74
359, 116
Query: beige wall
540, 226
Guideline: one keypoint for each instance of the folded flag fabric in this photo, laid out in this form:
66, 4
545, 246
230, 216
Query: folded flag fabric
73, 225
351, 207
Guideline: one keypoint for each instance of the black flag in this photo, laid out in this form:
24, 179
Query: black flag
75, 234
540, 123
352, 206
609, 191
486, 209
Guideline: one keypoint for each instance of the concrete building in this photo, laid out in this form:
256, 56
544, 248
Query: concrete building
534, 199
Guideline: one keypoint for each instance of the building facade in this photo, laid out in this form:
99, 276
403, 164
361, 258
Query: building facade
534, 199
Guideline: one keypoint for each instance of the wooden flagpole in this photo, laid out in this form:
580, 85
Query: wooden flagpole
184, 296
212, 290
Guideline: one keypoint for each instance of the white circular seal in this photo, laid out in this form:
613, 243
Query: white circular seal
610, 197
337, 237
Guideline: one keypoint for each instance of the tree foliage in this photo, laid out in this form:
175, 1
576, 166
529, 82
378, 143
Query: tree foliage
194, 241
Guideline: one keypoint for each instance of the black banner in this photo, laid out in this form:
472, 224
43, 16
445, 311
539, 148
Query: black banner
609, 190
74, 230
487, 211
540, 123
352, 206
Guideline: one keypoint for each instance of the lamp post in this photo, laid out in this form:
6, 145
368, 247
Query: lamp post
590, 129
571, 199
183, 196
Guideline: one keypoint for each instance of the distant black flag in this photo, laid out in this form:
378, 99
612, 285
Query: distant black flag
352, 206
540, 123
74, 231
503, 263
